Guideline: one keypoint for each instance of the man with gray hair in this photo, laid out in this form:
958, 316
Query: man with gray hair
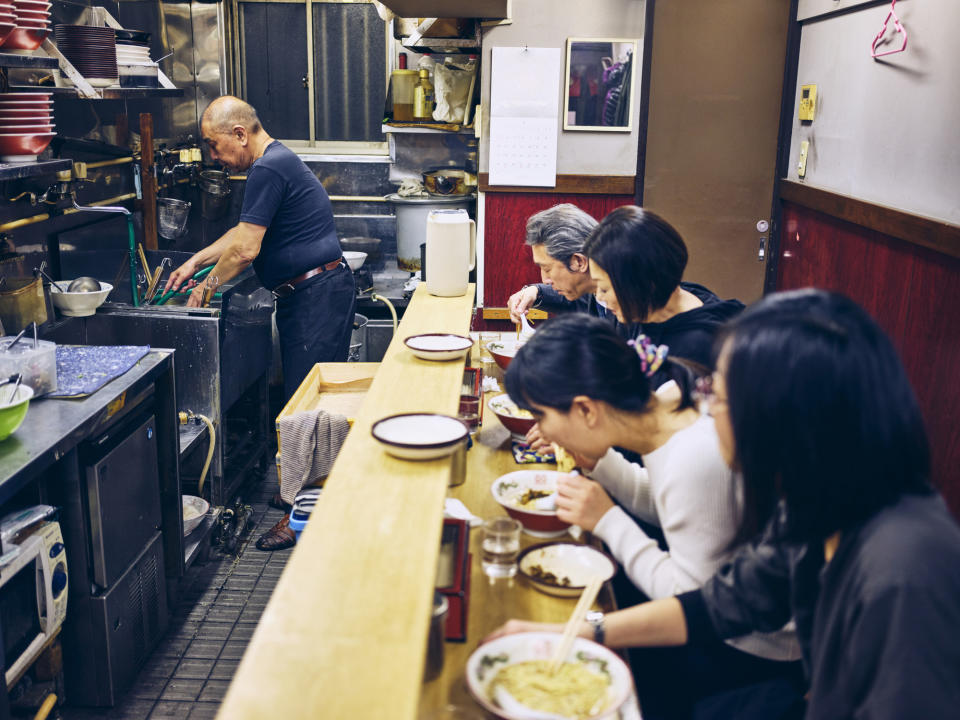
556, 237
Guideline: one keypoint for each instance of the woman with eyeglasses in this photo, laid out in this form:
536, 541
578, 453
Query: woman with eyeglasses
813, 407
591, 391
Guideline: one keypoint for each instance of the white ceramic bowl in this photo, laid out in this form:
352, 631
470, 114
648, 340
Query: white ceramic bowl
488, 659
563, 568
419, 436
538, 516
79, 304
194, 510
439, 346
354, 258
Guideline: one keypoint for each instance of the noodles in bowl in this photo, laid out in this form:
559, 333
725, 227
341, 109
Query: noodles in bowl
592, 682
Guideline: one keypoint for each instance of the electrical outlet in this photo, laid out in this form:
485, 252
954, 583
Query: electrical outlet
808, 102
802, 164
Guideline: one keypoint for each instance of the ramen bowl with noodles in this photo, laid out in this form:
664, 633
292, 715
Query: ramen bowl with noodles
592, 682
504, 350
530, 496
515, 419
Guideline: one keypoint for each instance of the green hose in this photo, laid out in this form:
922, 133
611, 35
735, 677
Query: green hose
199, 275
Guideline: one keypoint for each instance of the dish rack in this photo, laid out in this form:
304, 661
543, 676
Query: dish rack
84, 89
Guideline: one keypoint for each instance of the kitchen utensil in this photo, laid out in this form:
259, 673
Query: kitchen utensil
451, 251
13, 378
172, 217
486, 661
10, 347
22, 301
447, 182
538, 488
503, 351
354, 259
412, 213
563, 568
37, 365
419, 436
514, 419
369, 245
79, 304
13, 408
439, 346
194, 510
570, 630
84, 283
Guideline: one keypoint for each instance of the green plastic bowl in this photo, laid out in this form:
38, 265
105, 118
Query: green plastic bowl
13, 409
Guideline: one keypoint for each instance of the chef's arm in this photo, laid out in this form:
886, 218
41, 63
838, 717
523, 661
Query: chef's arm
240, 249
200, 259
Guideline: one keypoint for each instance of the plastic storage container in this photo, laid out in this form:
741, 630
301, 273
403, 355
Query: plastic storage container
401, 88
138, 75
37, 365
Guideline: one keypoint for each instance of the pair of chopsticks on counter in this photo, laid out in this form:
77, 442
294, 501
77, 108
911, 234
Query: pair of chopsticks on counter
571, 629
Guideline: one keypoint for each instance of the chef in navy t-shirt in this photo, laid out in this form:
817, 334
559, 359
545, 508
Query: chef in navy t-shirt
286, 231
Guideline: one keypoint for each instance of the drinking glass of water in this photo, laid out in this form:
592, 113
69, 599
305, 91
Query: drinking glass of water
501, 545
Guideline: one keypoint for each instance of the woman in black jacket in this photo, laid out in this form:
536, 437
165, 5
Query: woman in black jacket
813, 406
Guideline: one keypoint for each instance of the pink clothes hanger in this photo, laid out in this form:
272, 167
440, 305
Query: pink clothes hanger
896, 26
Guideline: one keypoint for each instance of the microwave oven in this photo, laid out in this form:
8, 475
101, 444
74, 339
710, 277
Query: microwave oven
33, 597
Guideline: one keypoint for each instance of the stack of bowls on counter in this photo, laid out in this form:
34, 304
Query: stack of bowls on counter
31, 20
91, 50
26, 125
133, 60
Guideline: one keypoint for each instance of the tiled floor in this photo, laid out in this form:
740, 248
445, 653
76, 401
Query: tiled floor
188, 674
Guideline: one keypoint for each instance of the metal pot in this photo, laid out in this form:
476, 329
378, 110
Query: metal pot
447, 182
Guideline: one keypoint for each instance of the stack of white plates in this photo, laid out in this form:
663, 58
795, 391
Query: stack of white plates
132, 54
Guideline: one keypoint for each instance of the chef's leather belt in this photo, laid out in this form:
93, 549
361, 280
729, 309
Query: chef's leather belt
284, 289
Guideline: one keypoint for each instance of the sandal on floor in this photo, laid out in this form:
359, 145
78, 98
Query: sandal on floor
278, 503
279, 537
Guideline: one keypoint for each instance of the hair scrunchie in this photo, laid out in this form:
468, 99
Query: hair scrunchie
651, 354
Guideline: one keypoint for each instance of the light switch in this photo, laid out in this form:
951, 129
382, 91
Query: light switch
808, 102
802, 164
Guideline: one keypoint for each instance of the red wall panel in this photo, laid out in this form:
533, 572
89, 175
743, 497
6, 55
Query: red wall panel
507, 262
913, 293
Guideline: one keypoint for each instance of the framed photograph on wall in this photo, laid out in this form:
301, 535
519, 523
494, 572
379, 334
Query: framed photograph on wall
600, 82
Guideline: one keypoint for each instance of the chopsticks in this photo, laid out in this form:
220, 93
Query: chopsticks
573, 624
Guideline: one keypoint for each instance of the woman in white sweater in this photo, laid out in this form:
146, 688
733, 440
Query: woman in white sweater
590, 392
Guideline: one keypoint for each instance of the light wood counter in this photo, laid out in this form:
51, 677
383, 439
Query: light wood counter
344, 634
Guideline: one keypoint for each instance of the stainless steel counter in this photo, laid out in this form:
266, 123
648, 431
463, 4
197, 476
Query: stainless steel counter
54, 427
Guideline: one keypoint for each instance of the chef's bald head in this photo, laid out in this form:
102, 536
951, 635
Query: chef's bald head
226, 112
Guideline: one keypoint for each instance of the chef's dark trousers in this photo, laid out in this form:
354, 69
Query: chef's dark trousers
314, 324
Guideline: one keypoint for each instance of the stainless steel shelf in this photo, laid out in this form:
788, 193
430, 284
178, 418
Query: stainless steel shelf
416, 129
110, 93
14, 60
18, 171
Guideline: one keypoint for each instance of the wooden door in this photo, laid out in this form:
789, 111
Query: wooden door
716, 78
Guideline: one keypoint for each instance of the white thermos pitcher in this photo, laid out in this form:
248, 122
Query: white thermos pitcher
451, 252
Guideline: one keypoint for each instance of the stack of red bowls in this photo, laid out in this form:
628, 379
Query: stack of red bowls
8, 20
91, 50
32, 19
26, 125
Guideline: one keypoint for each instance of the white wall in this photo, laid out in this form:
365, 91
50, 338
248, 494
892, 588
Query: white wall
886, 131
548, 24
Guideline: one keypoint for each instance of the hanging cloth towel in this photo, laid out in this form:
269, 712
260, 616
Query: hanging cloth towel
310, 442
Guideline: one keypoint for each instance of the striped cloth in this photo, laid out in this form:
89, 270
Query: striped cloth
310, 442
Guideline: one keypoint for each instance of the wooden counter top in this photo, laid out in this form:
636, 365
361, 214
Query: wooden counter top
344, 635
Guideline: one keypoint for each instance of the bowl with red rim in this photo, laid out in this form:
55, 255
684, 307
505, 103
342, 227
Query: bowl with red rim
26, 129
504, 350
530, 497
32, 4
31, 119
21, 147
26, 38
515, 419
5, 30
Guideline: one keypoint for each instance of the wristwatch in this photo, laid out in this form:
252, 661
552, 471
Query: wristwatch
595, 619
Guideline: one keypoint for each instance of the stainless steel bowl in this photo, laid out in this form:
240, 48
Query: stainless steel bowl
84, 284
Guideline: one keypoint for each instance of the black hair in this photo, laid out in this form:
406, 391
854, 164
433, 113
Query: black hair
822, 412
644, 256
578, 354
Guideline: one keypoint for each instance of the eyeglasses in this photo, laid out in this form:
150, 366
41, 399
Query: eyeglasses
705, 395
